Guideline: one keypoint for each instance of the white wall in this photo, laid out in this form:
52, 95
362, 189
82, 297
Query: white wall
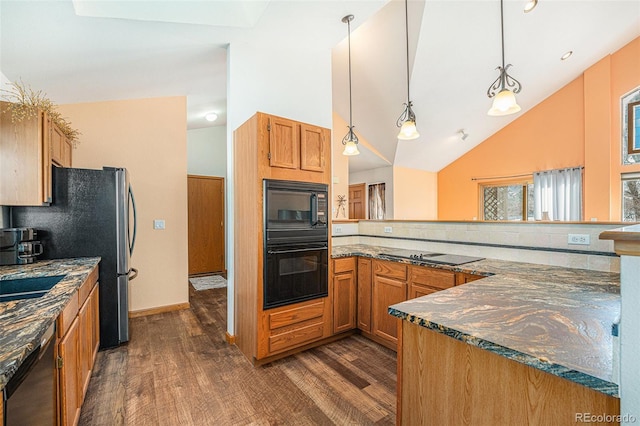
207, 151
382, 174
275, 79
3, 81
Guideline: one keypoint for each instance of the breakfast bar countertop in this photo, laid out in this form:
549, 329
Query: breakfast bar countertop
24, 322
552, 318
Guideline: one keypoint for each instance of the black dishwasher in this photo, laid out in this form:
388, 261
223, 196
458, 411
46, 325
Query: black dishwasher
30, 394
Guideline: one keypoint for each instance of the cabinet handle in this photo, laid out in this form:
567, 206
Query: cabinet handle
59, 362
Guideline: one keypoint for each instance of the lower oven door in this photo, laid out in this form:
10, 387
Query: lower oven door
295, 273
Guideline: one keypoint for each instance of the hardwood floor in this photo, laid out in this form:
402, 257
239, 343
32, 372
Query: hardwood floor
177, 369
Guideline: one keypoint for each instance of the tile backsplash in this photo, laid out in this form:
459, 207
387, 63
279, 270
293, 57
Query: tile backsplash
544, 243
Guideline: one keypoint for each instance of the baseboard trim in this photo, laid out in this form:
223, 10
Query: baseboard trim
159, 310
229, 338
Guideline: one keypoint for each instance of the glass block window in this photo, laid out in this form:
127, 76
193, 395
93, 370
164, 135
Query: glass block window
508, 202
631, 197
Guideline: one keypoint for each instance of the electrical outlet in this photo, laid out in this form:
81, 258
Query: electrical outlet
158, 224
338, 229
388, 230
580, 239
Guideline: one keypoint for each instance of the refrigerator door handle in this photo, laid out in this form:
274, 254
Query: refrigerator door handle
132, 240
133, 272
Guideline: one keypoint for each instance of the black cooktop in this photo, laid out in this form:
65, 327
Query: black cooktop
430, 257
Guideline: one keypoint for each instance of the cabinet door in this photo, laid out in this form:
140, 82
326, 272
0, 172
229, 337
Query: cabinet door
85, 332
311, 148
66, 153
463, 278
57, 139
344, 301
364, 294
416, 290
68, 377
283, 143
95, 320
386, 292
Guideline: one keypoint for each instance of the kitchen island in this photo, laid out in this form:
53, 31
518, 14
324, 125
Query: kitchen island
23, 322
526, 344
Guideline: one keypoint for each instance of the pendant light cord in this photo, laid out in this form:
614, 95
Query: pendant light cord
502, 31
406, 26
350, 100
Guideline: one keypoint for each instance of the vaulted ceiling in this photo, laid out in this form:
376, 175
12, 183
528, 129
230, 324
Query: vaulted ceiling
85, 51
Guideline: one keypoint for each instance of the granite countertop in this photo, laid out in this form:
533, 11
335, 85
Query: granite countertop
551, 318
24, 322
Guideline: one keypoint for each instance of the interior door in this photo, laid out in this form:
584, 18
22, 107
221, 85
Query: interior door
206, 224
357, 199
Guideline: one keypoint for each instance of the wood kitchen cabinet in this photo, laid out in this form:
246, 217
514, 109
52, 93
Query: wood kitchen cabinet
78, 341
60, 144
389, 288
28, 148
344, 294
25, 160
464, 277
424, 280
364, 294
295, 150
277, 148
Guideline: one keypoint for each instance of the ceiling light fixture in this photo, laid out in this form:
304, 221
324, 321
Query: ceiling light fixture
211, 116
504, 88
407, 120
463, 135
350, 140
530, 5
566, 55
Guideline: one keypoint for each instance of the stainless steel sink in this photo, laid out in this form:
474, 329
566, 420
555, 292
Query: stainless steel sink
27, 288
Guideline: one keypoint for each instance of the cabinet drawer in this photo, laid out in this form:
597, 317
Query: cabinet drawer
295, 337
390, 269
296, 315
87, 286
344, 264
432, 277
68, 315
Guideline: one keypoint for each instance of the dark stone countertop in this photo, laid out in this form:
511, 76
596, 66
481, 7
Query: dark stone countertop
551, 318
24, 322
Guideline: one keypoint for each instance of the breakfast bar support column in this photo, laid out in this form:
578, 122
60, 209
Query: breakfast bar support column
627, 245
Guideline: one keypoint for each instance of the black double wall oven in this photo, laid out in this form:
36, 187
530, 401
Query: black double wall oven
296, 249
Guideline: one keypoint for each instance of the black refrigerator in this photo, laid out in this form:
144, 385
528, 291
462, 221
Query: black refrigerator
92, 214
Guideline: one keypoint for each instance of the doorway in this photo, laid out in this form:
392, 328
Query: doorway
205, 199
357, 201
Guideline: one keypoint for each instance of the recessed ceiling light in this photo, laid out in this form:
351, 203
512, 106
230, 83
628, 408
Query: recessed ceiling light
530, 5
566, 55
211, 116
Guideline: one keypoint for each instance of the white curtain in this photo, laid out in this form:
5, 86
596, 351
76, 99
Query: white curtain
558, 194
376, 201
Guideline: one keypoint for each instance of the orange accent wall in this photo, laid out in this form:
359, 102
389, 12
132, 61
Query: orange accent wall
577, 125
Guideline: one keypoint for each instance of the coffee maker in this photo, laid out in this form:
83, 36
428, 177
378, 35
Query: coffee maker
18, 246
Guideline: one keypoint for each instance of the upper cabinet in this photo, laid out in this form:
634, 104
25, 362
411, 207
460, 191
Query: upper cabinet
296, 151
60, 145
28, 148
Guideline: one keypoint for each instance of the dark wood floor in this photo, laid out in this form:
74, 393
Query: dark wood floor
177, 369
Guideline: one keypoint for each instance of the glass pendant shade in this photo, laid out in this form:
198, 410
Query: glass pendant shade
408, 131
350, 148
504, 103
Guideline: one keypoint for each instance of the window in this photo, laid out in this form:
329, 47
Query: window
513, 201
631, 197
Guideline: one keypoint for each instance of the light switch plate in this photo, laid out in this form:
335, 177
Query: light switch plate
388, 229
158, 224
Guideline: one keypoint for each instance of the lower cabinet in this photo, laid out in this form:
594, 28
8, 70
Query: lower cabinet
364, 294
344, 294
389, 288
78, 342
424, 280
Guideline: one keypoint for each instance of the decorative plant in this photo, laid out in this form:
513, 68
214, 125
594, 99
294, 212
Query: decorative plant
24, 103
342, 200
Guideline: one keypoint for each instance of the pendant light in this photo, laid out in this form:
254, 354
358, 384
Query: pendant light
504, 88
350, 140
407, 120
